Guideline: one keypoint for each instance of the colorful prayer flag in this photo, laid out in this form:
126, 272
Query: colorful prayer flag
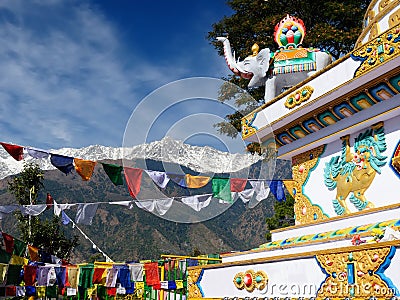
222, 189
63, 163
195, 182
114, 173
133, 178
17, 152
84, 168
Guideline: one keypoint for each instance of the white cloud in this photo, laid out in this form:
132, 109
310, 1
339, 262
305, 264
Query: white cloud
63, 78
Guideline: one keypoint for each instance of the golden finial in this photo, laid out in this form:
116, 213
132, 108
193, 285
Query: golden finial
255, 49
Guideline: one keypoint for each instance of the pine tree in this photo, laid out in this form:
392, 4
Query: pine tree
43, 232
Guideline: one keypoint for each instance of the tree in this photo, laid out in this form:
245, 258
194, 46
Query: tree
283, 215
332, 26
39, 231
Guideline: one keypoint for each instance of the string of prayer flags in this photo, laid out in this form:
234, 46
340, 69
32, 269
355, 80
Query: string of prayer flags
84, 168
133, 178
197, 202
17, 152
221, 189
114, 172
63, 163
159, 178
195, 182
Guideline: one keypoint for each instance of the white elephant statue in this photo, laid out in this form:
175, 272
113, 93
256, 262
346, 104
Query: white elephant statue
256, 68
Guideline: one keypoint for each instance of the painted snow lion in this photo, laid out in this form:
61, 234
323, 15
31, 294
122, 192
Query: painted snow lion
353, 173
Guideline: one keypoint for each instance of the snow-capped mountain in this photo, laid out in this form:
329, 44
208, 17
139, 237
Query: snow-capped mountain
201, 159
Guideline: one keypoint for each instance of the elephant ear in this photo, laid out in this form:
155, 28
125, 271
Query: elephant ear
263, 58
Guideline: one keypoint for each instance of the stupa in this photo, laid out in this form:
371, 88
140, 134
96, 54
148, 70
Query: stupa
339, 125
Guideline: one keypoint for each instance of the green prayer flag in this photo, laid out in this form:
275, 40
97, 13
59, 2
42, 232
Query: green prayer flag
221, 189
4, 257
52, 291
86, 276
114, 173
19, 248
102, 292
13, 275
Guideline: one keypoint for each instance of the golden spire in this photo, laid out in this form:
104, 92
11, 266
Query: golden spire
255, 48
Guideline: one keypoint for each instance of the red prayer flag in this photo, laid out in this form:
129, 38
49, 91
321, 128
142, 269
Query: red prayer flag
49, 201
238, 184
33, 253
133, 178
9, 242
17, 152
111, 291
151, 272
98, 275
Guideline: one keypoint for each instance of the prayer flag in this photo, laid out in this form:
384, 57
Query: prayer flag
63, 163
159, 178
49, 201
19, 247
14, 275
30, 274
238, 184
38, 153
33, 253
98, 275
160, 205
133, 178
197, 202
114, 173
195, 182
9, 242
86, 276
11, 291
276, 187
179, 179
17, 152
64, 218
85, 213
152, 275
222, 189
84, 168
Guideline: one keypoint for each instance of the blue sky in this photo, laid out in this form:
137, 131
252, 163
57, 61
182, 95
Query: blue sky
73, 72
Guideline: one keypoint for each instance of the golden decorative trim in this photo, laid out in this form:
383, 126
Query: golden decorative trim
193, 277
340, 132
250, 280
375, 19
378, 51
299, 97
302, 164
247, 129
335, 218
394, 18
299, 255
353, 274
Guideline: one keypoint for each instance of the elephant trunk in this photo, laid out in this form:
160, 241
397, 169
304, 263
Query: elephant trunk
230, 59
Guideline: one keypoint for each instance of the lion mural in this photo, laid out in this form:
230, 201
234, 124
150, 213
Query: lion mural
353, 173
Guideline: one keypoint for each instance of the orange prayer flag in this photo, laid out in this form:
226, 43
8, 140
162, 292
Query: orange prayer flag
195, 182
33, 253
84, 168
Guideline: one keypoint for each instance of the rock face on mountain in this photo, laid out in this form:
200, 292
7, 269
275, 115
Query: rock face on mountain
130, 234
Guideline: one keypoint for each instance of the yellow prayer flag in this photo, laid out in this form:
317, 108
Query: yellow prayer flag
179, 284
18, 260
41, 291
195, 182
